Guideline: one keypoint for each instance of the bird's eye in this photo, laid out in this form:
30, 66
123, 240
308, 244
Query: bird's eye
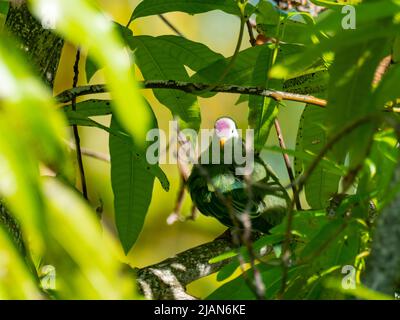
232, 130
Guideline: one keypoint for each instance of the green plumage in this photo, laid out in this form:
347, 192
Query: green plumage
218, 192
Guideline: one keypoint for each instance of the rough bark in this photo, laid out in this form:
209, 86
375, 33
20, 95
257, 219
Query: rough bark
383, 265
169, 278
42, 47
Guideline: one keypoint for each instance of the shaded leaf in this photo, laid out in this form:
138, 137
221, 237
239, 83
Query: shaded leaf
90, 108
155, 64
90, 68
152, 7
305, 224
312, 137
350, 96
80, 120
226, 271
132, 187
315, 83
263, 111
238, 288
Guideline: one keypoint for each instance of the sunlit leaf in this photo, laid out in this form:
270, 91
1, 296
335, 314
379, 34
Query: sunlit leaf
16, 281
152, 7
81, 24
96, 271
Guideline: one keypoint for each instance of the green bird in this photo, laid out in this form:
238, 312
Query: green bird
218, 191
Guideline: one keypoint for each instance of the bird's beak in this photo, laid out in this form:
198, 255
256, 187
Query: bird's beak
222, 142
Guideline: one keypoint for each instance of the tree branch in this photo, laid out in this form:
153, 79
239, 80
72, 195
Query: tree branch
194, 88
168, 279
170, 25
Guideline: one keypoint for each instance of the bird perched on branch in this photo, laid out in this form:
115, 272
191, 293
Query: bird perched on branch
218, 191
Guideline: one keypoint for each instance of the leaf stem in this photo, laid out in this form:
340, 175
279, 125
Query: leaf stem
75, 128
170, 25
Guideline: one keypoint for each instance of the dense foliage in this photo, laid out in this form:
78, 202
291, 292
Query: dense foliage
344, 161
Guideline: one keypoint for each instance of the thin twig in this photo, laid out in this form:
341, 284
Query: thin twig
91, 153
75, 127
170, 25
287, 163
195, 88
251, 33
177, 212
233, 58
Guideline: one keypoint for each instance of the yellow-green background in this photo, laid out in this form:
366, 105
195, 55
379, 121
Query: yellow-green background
159, 240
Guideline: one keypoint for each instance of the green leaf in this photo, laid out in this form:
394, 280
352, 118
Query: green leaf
360, 291
132, 187
81, 120
226, 271
327, 3
19, 282
263, 111
387, 89
4, 5
90, 68
350, 96
314, 83
305, 224
312, 137
238, 288
91, 108
223, 256
83, 25
194, 55
152, 7
19, 185
329, 165
376, 182
336, 244
242, 71
373, 23
31, 132
292, 27
396, 50
85, 254
266, 12
156, 65
384, 154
